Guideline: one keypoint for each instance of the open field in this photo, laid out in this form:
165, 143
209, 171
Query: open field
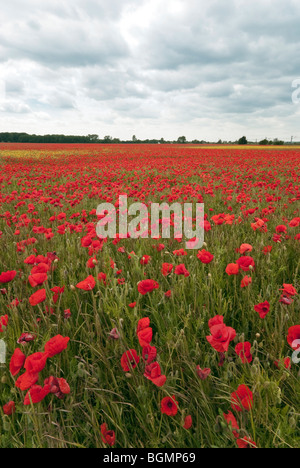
213, 363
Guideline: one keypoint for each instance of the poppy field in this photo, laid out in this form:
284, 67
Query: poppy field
141, 343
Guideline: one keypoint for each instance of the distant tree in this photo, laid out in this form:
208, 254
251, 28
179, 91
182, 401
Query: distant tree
134, 139
278, 142
264, 142
181, 140
93, 137
107, 139
243, 141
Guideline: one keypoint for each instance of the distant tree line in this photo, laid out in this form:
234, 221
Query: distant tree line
12, 137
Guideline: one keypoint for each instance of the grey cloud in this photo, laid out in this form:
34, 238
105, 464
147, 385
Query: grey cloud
157, 65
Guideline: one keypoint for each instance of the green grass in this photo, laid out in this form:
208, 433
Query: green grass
129, 403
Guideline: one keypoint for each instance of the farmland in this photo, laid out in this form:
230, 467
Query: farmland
133, 343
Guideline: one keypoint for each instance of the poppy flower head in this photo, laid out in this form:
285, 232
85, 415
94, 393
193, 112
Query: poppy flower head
129, 360
262, 309
56, 345
108, 436
169, 406
147, 286
242, 399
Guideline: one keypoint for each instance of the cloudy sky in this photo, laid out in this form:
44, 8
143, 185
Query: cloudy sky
153, 68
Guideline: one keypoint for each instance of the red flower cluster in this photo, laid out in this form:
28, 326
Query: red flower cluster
34, 365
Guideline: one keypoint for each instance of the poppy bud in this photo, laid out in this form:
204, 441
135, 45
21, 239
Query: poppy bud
254, 346
6, 425
72, 288
292, 422
128, 375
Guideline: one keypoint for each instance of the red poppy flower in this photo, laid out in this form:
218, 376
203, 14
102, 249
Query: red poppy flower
263, 309
108, 437
149, 354
281, 228
244, 248
88, 284
180, 253
221, 336
102, 278
57, 292
38, 297
58, 386
232, 269
26, 338
16, 362
204, 256
188, 422
9, 408
147, 286
181, 270
37, 279
243, 350
246, 442
166, 268
36, 362
56, 345
245, 263
267, 249
27, 380
216, 320
92, 262
246, 281
142, 324
231, 420
145, 336
242, 399
40, 269
3, 322
153, 373
169, 406
7, 277
145, 260
36, 394
286, 363
129, 360
289, 290
203, 373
